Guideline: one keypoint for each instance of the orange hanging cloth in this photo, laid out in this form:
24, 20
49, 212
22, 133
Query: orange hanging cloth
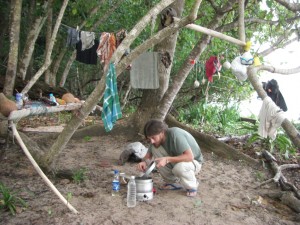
106, 48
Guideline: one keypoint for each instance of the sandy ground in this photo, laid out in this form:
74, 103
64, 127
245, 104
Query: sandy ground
226, 195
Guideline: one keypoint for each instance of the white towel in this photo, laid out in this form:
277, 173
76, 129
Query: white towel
270, 117
87, 39
144, 71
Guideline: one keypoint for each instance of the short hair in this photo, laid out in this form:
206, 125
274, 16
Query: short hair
154, 127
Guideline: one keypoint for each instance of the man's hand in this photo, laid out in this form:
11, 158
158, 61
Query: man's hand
161, 162
142, 166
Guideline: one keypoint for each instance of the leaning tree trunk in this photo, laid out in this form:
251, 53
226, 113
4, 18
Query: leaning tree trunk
29, 46
150, 98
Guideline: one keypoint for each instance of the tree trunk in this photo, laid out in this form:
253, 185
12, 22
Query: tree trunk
14, 34
29, 46
67, 69
11, 71
150, 98
48, 38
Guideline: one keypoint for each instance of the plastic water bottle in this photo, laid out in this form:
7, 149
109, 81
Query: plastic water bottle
19, 100
52, 98
131, 192
116, 184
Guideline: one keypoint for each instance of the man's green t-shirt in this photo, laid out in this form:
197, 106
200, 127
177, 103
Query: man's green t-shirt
178, 141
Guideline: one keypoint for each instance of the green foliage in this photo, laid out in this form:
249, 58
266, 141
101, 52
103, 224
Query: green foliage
87, 138
129, 109
79, 175
64, 116
69, 196
9, 200
282, 143
211, 118
260, 176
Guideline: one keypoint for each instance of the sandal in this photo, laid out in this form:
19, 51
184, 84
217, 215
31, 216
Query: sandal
191, 193
170, 187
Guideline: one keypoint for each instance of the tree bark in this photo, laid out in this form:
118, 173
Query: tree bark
15, 15
48, 38
29, 46
11, 71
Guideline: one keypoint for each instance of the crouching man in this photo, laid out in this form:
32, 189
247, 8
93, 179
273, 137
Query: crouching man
178, 156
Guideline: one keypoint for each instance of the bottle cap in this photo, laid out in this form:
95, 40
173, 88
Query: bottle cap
18, 95
116, 171
132, 177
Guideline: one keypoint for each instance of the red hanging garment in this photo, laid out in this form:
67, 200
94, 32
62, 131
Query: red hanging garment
212, 66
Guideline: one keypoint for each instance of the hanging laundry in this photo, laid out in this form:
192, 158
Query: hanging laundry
212, 66
247, 59
88, 56
111, 106
73, 37
144, 71
238, 69
272, 89
270, 117
88, 39
106, 48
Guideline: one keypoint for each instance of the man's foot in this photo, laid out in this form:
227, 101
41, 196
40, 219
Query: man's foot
170, 187
191, 193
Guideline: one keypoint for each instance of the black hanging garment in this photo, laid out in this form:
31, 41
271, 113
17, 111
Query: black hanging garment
87, 56
272, 89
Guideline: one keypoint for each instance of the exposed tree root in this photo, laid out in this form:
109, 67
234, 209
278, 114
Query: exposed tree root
290, 195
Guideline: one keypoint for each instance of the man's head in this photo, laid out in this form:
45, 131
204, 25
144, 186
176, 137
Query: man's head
154, 131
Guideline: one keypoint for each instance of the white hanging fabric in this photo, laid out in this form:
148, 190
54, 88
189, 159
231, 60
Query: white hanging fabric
144, 71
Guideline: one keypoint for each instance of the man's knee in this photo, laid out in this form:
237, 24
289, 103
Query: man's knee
179, 169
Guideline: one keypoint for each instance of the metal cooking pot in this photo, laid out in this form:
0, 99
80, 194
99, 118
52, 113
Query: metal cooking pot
144, 185
144, 188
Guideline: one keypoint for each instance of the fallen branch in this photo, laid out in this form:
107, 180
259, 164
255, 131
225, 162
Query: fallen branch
38, 169
279, 177
292, 194
19, 114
